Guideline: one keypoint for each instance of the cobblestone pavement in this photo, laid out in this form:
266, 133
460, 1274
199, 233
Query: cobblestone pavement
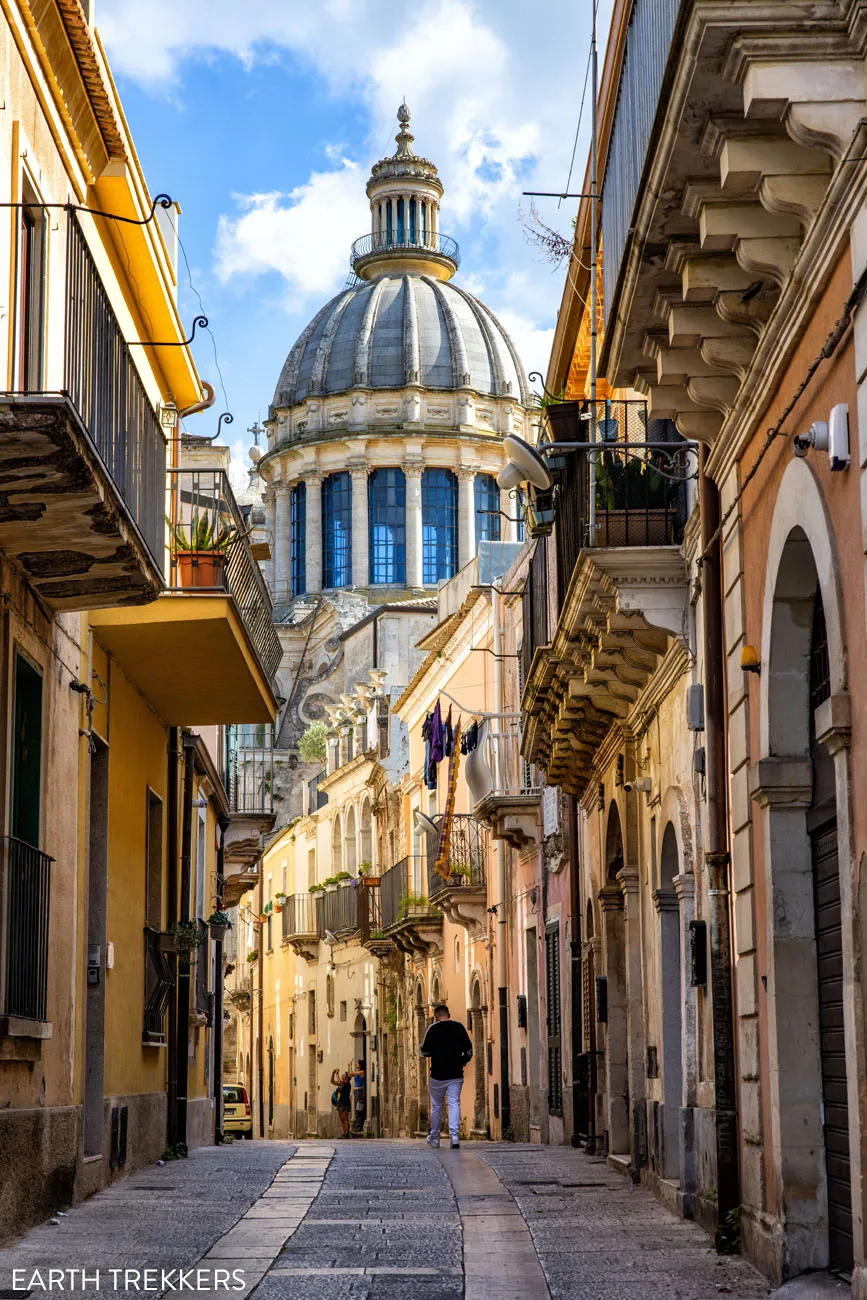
370, 1220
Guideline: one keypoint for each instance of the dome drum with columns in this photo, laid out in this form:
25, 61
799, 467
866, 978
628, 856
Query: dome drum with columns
384, 435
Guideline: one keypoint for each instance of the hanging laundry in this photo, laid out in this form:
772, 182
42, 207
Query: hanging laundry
430, 767
437, 736
470, 738
448, 739
445, 840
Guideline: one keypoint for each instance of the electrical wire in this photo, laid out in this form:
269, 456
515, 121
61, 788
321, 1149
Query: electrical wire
829, 347
198, 298
578, 127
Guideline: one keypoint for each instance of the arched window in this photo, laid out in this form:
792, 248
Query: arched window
366, 835
439, 520
388, 221
337, 531
298, 537
487, 501
412, 220
350, 854
400, 222
386, 512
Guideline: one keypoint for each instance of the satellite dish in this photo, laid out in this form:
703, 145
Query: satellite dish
527, 461
479, 776
510, 477
425, 823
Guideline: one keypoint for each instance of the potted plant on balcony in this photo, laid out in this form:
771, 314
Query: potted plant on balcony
187, 939
366, 873
343, 877
202, 553
330, 884
219, 924
316, 889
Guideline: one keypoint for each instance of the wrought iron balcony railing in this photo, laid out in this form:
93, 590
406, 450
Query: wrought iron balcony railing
210, 551
400, 241
401, 892
638, 491
249, 769
26, 877
468, 856
370, 912
512, 774
535, 618
338, 911
299, 916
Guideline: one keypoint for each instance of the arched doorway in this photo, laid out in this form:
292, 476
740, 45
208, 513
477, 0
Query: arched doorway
336, 846
360, 1093
270, 1082
613, 1012
798, 788
671, 992
480, 1091
595, 1121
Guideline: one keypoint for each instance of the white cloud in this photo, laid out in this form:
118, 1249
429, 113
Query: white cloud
304, 236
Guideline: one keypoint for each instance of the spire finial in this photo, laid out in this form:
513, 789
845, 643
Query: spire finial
404, 137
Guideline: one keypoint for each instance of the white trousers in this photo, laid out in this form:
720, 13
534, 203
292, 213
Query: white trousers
445, 1090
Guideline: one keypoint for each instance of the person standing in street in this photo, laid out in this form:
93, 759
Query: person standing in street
447, 1045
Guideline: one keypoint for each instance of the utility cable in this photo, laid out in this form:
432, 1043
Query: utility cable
829, 347
198, 298
578, 127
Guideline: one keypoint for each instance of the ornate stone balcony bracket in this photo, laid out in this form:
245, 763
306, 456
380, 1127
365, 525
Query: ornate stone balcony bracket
780, 782
833, 722
511, 817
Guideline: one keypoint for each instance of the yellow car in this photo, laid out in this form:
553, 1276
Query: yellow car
236, 1110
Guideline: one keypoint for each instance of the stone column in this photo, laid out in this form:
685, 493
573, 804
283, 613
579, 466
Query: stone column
313, 540
684, 888
271, 529
629, 881
360, 536
616, 1034
281, 561
412, 474
466, 516
509, 508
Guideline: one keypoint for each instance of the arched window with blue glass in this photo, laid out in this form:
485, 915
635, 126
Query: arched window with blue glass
298, 537
487, 509
386, 514
337, 531
439, 522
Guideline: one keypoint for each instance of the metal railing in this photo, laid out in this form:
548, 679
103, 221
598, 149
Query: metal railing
338, 910
26, 880
210, 551
400, 891
249, 769
384, 242
512, 774
370, 912
300, 915
109, 396
636, 502
158, 985
648, 45
468, 856
534, 607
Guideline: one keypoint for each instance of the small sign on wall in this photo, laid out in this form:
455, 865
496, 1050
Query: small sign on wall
550, 811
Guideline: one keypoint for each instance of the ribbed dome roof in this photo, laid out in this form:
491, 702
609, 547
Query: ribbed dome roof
398, 330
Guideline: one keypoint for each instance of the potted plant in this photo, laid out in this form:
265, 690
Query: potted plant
278, 907
366, 872
187, 939
330, 883
219, 924
316, 889
343, 877
201, 548
253, 957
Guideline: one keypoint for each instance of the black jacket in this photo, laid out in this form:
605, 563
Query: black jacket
448, 1045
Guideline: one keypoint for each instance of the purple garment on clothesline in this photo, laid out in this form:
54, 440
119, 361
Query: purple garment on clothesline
437, 735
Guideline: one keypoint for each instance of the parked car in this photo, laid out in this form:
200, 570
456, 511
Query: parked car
237, 1117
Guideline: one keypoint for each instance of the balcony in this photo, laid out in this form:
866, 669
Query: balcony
405, 246
26, 880
408, 917
511, 809
372, 935
463, 894
82, 469
301, 925
206, 652
248, 775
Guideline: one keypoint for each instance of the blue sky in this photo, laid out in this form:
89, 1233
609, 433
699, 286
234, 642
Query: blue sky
263, 119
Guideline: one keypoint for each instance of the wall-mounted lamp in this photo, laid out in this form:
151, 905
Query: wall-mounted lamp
169, 416
750, 661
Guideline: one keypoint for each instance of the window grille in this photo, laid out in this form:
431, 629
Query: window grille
552, 985
337, 531
487, 500
439, 516
386, 509
298, 531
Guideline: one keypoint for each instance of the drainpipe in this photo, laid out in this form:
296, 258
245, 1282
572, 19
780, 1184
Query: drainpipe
223, 824
182, 1047
500, 852
260, 1050
717, 861
171, 918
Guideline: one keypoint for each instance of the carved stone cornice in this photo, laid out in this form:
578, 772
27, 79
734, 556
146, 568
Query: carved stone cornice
610, 898
666, 900
684, 886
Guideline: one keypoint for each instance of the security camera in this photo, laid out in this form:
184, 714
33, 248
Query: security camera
831, 435
641, 785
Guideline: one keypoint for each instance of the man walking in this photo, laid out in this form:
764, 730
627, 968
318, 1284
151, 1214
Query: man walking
448, 1046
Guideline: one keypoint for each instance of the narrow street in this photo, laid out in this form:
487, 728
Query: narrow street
347, 1221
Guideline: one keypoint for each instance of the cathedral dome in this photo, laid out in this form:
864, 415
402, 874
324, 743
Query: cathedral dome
398, 330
